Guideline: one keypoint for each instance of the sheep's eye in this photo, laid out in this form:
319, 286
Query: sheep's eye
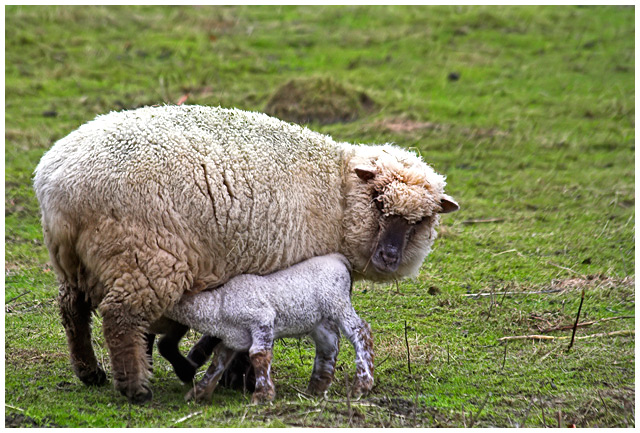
379, 204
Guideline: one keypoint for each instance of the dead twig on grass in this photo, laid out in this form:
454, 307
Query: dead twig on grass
475, 418
504, 358
550, 337
483, 221
603, 403
13, 407
508, 251
477, 295
348, 392
575, 325
184, 418
565, 268
17, 297
583, 324
406, 342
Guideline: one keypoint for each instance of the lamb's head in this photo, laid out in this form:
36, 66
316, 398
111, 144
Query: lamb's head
394, 202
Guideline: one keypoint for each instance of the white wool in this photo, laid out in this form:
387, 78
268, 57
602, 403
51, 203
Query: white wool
294, 301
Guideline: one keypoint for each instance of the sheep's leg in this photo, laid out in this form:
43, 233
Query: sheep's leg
359, 334
261, 354
150, 339
125, 338
168, 348
222, 357
327, 340
125, 320
76, 310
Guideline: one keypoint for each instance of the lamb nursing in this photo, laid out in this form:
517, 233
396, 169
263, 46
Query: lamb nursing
142, 207
250, 311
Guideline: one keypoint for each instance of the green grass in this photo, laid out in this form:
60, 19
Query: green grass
538, 131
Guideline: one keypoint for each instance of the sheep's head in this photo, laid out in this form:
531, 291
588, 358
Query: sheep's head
393, 210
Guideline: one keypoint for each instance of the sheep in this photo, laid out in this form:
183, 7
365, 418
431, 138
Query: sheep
250, 311
140, 207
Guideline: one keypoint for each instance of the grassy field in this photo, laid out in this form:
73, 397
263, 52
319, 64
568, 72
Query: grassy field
530, 113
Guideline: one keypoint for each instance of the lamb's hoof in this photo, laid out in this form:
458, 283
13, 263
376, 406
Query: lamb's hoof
196, 394
95, 377
190, 395
361, 388
263, 397
139, 396
317, 389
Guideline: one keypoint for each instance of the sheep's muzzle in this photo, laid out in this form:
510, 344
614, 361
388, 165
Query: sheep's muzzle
387, 256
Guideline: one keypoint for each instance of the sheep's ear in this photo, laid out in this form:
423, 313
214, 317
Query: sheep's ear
448, 204
365, 173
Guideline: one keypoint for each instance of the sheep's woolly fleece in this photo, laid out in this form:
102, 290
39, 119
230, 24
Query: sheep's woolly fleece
191, 196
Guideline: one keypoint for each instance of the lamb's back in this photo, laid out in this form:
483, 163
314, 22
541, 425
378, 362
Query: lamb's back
296, 298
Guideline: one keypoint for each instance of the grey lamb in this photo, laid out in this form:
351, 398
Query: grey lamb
250, 311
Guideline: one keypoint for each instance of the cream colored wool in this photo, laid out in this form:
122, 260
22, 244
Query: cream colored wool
210, 193
140, 206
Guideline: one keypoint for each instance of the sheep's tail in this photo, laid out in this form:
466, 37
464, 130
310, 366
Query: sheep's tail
60, 236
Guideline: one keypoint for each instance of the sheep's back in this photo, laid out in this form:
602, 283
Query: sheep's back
244, 192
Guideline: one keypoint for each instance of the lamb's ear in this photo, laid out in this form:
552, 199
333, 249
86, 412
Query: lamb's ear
448, 204
365, 173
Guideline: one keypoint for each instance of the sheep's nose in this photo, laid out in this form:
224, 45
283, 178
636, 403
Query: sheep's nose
390, 256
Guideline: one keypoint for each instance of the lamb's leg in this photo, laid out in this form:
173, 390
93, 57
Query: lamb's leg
75, 311
222, 356
261, 354
327, 340
202, 350
238, 375
168, 348
359, 334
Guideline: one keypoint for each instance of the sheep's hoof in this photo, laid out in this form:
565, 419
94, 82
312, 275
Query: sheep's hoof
139, 396
95, 377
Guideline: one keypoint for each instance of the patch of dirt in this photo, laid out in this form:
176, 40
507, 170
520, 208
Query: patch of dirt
19, 420
405, 125
396, 405
609, 407
592, 281
401, 125
22, 356
321, 100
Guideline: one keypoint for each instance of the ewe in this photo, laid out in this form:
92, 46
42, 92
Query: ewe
140, 207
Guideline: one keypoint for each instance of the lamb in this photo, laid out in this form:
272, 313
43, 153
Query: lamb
140, 207
250, 311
